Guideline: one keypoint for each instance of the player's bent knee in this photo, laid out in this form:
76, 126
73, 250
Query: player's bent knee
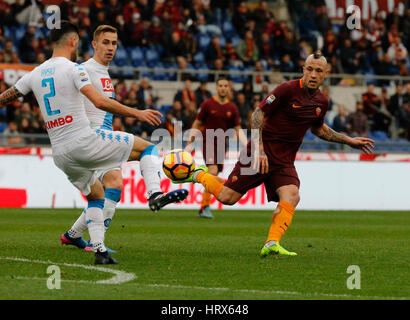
113, 179
228, 196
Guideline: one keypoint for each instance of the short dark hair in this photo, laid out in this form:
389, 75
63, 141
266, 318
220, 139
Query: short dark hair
65, 28
222, 77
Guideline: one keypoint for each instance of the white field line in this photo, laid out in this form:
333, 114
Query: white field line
121, 279
118, 278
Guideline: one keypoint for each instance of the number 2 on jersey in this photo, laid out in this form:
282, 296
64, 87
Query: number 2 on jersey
49, 95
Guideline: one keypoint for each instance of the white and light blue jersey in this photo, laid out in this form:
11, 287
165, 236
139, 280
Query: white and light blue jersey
101, 80
56, 84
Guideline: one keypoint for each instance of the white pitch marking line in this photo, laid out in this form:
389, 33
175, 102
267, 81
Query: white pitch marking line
125, 276
118, 278
314, 294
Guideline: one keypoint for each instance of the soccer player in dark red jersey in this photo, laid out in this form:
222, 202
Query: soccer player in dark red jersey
215, 116
282, 120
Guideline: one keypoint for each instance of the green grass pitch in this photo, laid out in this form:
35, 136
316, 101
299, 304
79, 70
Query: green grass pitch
177, 255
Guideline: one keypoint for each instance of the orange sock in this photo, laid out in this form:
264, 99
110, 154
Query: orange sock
211, 183
281, 220
206, 199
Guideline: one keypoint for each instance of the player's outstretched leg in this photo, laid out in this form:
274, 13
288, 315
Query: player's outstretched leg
150, 165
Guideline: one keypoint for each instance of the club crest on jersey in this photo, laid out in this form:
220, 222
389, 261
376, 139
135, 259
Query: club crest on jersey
107, 85
270, 99
318, 111
228, 114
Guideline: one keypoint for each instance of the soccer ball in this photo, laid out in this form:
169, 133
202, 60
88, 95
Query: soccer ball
178, 164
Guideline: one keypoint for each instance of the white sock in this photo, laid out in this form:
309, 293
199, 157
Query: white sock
108, 212
150, 169
95, 224
79, 226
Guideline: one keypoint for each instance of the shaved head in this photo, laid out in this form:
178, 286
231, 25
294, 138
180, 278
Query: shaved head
315, 70
316, 55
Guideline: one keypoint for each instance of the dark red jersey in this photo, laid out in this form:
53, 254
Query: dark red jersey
214, 115
290, 110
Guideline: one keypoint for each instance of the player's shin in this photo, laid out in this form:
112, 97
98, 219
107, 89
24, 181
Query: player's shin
150, 169
206, 199
95, 224
112, 197
212, 184
281, 220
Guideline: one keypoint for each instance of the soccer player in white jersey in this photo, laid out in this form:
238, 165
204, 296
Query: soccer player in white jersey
78, 150
105, 41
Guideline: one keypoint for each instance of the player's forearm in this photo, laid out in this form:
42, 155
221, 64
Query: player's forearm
257, 121
114, 107
9, 95
328, 134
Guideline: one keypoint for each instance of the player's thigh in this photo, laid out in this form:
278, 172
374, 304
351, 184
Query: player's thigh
82, 178
137, 148
113, 179
238, 184
283, 185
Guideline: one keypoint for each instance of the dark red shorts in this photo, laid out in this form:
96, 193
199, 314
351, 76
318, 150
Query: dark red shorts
277, 177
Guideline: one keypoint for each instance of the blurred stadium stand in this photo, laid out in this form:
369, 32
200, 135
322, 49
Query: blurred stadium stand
377, 54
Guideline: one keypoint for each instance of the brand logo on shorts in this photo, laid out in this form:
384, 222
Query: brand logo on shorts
318, 111
270, 99
234, 178
107, 85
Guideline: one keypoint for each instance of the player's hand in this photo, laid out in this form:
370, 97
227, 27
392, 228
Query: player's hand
262, 164
150, 116
365, 144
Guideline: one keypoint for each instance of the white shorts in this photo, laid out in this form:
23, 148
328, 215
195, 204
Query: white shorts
91, 156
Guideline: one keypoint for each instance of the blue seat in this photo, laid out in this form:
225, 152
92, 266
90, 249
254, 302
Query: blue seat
8, 32
20, 32
202, 76
121, 57
380, 135
137, 57
228, 29
222, 41
204, 41
159, 75
3, 126
199, 58
235, 77
151, 57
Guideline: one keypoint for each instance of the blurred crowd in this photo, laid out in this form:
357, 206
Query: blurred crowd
219, 35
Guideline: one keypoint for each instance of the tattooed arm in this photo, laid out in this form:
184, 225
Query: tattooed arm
9, 95
258, 118
328, 134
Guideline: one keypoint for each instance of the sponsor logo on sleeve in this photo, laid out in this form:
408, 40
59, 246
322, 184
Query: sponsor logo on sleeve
270, 99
